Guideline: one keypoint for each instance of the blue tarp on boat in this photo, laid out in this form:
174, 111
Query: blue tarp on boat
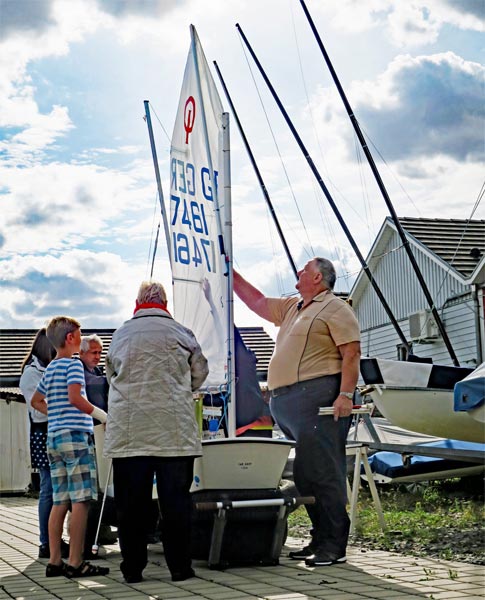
390, 464
470, 392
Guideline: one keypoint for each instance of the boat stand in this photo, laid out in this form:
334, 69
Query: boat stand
220, 520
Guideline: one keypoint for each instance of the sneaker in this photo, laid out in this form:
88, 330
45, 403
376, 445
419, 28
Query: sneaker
302, 553
324, 559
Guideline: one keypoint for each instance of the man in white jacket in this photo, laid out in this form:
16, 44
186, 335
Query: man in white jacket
153, 366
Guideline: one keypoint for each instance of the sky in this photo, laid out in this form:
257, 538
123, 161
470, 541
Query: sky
78, 196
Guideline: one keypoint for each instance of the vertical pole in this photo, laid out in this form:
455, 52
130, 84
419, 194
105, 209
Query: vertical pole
231, 375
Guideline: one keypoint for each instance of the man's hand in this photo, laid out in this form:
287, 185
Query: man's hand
342, 407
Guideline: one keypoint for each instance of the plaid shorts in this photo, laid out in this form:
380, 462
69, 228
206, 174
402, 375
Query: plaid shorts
73, 466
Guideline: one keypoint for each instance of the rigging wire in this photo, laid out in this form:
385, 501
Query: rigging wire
394, 176
467, 223
151, 258
326, 221
277, 147
160, 123
321, 204
367, 203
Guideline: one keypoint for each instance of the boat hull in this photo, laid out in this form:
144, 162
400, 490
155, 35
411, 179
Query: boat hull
240, 463
427, 410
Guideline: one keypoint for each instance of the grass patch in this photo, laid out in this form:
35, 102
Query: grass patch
442, 519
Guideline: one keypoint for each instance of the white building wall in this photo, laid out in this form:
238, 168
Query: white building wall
400, 287
459, 321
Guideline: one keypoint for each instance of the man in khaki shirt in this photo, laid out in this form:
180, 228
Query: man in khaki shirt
315, 364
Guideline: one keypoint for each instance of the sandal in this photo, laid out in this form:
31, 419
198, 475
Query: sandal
55, 570
85, 569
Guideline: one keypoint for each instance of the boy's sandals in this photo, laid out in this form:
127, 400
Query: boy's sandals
55, 570
85, 569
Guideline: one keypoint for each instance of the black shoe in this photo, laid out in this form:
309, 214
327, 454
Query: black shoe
325, 559
302, 553
55, 570
133, 578
183, 575
44, 550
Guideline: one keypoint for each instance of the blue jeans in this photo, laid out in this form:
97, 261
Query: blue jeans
45, 503
320, 467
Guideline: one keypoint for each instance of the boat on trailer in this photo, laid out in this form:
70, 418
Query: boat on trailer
420, 397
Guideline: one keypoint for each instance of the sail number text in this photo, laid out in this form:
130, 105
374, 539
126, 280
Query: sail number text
200, 250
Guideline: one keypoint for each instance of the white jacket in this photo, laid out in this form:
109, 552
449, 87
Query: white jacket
153, 365
29, 380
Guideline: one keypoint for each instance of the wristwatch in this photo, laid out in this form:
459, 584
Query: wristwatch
348, 395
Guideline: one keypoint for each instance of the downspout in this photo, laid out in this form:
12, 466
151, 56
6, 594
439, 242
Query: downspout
478, 320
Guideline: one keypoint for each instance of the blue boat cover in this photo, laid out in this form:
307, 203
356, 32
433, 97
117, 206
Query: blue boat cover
390, 464
470, 392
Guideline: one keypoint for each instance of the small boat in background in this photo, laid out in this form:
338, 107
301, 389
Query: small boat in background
420, 397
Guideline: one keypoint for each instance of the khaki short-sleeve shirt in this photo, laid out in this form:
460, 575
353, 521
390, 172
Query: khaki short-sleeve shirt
308, 339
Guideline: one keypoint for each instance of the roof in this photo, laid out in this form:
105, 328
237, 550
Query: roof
16, 343
459, 242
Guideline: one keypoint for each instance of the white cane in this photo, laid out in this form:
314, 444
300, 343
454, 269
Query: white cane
95, 546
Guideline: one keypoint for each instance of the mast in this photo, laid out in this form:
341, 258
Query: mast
328, 196
383, 190
159, 182
231, 363
258, 173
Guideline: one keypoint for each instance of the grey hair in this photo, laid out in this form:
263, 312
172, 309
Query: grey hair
327, 270
58, 328
151, 291
86, 342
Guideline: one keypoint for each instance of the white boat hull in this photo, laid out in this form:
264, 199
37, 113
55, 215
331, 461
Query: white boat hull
427, 410
240, 463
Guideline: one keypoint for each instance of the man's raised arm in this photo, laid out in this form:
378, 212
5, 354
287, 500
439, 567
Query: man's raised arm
252, 297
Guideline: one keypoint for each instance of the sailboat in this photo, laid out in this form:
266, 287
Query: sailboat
199, 243
201, 260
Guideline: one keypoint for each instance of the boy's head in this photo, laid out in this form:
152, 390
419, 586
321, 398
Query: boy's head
60, 328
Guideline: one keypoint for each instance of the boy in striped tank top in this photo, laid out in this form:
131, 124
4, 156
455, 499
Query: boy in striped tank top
61, 395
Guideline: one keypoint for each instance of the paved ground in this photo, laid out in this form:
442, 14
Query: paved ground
371, 575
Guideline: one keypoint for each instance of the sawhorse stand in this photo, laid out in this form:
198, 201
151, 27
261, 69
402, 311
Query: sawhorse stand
220, 521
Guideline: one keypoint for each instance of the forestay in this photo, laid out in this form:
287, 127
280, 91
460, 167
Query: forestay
197, 214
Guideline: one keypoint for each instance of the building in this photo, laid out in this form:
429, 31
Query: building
451, 256
16, 343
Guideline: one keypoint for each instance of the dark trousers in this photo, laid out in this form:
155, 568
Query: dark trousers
133, 483
320, 467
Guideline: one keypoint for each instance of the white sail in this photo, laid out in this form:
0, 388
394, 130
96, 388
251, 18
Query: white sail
197, 214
